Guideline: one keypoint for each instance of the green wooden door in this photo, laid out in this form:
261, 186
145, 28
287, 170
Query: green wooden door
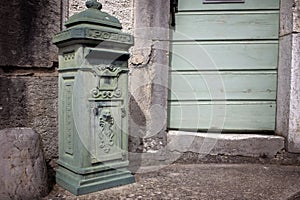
223, 71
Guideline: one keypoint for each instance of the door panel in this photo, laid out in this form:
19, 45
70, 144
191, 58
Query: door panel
191, 5
233, 116
224, 55
224, 61
223, 85
227, 25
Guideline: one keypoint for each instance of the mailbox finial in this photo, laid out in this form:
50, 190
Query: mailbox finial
93, 4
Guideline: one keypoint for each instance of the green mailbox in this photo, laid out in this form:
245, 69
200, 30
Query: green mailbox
93, 102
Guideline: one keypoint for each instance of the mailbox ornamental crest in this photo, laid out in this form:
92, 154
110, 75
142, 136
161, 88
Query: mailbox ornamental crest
93, 102
107, 87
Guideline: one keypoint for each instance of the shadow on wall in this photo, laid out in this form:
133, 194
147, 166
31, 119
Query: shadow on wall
137, 126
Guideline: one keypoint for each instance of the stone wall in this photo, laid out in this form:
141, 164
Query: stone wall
288, 115
294, 122
27, 29
28, 63
31, 101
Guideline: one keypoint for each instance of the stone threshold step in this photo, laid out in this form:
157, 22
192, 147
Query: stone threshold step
251, 145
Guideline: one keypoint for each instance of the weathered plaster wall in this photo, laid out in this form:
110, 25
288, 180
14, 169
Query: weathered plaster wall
149, 76
294, 122
288, 106
122, 9
283, 98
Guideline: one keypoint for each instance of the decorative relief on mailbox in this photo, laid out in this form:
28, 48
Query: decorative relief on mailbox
68, 118
123, 112
94, 34
107, 87
96, 93
69, 56
106, 134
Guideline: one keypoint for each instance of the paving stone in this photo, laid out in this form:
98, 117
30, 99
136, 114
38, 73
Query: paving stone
205, 181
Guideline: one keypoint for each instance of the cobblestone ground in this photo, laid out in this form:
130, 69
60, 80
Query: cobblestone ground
204, 181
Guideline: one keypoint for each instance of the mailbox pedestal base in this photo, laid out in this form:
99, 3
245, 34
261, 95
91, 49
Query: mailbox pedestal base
80, 184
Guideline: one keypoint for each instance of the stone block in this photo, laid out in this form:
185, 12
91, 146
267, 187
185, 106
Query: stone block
13, 111
288, 97
284, 85
29, 27
225, 144
42, 106
286, 17
294, 115
23, 172
296, 16
31, 101
149, 71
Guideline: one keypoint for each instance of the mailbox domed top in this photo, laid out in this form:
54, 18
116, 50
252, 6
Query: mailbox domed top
94, 15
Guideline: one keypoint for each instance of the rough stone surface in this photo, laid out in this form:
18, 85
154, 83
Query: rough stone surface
225, 144
31, 101
29, 27
42, 93
146, 161
296, 16
288, 98
286, 17
294, 118
281, 158
13, 111
283, 89
23, 172
284, 67
148, 78
205, 181
122, 9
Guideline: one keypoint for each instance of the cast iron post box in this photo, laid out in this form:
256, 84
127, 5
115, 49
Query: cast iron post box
93, 119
